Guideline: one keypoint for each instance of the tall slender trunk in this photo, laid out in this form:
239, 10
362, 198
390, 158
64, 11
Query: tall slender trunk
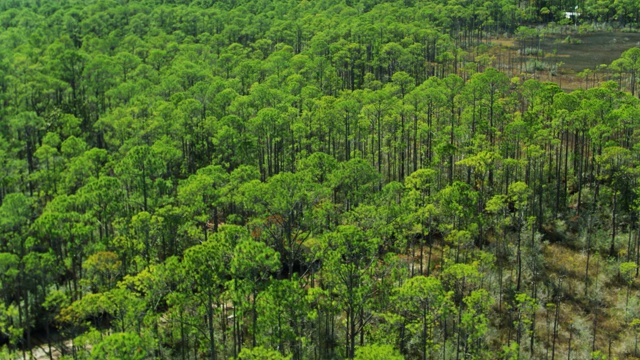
588, 249
183, 348
415, 144
254, 314
555, 328
212, 340
519, 256
612, 248
451, 140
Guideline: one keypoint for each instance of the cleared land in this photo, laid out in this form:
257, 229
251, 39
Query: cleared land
563, 57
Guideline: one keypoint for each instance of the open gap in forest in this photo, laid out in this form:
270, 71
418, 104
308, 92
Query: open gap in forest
562, 57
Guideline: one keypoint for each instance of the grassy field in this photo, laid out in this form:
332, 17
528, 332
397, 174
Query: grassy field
563, 57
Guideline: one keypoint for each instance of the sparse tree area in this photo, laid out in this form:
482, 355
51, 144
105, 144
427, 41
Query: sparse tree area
359, 179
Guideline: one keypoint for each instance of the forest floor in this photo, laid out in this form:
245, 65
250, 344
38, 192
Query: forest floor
563, 56
40, 349
41, 353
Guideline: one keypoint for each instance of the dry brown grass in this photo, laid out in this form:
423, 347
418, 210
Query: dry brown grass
505, 42
592, 50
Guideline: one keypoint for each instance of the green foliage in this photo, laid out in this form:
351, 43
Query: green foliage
311, 179
627, 270
126, 346
260, 352
375, 351
102, 269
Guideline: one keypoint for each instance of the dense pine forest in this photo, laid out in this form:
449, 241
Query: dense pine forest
325, 179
